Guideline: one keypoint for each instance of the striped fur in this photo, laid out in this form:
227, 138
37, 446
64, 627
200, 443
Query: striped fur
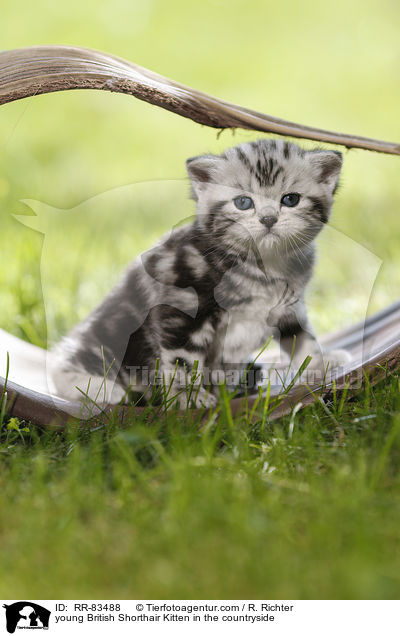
213, 291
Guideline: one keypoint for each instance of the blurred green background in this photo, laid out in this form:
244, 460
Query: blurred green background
328, 64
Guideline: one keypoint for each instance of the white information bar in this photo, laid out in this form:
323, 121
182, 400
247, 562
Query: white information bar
139, 617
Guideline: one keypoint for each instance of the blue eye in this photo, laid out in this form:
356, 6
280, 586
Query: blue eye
290, 200
243, 203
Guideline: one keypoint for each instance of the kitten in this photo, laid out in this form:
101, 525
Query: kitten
214, 291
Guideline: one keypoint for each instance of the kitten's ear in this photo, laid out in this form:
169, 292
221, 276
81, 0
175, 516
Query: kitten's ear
327, 165
202, 170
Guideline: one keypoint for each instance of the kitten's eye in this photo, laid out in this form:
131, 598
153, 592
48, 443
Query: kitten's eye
290, 200
243, 203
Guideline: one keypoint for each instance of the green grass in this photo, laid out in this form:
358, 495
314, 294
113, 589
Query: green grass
181, 508
214, 508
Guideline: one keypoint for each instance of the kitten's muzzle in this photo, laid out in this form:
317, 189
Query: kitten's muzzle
268, 221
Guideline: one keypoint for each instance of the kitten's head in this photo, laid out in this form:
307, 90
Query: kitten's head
272, 192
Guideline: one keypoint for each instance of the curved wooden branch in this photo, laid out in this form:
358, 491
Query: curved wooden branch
45, 69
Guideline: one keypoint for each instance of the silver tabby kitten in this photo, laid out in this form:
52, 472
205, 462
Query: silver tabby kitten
215, 290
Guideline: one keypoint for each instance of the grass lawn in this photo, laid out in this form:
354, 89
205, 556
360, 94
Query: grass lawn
175, 507
183, 508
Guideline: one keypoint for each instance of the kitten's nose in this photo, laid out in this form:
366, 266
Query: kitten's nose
268, 221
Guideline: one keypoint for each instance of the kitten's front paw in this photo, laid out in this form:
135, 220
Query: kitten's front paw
205, 400
336, 358
199, 398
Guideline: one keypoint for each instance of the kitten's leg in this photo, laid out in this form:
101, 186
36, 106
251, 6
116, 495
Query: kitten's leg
298, 339
77, 385
185, 380
299, 343
185, 345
